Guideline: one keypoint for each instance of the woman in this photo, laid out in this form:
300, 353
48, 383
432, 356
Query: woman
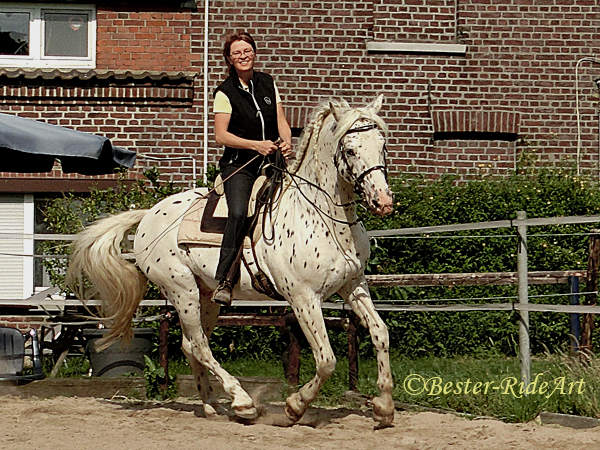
250, 123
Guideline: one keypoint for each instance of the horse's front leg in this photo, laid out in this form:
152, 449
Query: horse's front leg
358, 297
310, 319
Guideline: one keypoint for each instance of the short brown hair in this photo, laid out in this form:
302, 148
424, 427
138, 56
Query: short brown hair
240, 36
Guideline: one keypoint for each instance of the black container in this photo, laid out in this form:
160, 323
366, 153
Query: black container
119, 359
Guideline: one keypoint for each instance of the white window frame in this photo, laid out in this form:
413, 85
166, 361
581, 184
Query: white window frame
36, 33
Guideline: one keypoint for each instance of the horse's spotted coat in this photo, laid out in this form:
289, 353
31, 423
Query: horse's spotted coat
319, 250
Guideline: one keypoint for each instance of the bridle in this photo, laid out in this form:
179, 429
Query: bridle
358, 180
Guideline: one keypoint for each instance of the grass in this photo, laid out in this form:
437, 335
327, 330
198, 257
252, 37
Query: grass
559, 383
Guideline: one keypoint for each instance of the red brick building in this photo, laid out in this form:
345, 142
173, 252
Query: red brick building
470, 85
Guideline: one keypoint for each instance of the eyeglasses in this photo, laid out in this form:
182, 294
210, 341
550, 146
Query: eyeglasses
239, 54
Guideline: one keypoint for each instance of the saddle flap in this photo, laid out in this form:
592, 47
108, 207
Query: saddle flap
256, 188
219, 186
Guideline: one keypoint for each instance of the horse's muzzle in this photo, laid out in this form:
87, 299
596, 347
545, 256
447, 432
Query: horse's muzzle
383, 204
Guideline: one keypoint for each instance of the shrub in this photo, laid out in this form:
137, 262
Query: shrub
544, 193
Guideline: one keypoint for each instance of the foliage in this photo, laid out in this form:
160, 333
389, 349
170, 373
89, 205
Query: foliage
155, 376
543, 193
71, 213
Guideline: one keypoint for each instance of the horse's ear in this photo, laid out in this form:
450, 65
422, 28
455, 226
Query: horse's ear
375, 107
336, 110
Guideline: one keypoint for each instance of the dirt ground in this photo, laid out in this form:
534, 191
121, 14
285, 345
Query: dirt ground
90, 423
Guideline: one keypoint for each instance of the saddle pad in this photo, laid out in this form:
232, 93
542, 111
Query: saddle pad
204, 221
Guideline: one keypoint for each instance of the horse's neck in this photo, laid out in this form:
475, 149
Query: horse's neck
318, 167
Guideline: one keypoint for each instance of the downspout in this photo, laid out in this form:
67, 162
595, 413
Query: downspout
205, 156
597, 81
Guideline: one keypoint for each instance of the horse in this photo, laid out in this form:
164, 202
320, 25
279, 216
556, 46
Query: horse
313, 246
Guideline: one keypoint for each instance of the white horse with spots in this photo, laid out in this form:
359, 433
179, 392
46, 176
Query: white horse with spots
319, 248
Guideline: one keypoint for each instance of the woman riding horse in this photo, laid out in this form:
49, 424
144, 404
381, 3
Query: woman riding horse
249, 122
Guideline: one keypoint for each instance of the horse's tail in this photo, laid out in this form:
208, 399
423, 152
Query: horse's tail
96, 258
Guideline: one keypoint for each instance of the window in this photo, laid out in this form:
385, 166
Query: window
47, 35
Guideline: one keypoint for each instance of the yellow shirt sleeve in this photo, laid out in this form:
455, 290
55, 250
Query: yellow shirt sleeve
223, 105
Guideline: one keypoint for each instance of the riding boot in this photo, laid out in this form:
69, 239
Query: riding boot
222, 294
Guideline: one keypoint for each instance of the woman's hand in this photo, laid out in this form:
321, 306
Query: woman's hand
286, 149
264, 147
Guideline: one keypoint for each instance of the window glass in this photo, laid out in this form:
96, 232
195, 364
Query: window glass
66, 34
14, 33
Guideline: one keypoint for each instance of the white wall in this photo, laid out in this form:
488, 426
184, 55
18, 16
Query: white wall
16, 246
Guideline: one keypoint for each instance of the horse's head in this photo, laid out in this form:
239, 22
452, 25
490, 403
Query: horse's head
360, 156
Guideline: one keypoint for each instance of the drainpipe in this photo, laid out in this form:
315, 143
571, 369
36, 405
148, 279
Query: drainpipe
205, 160
597, 81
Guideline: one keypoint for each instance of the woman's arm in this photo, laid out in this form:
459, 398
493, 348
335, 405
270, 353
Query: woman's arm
285, 132
224, 137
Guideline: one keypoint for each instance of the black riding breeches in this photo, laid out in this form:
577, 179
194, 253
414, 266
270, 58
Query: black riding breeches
238, 189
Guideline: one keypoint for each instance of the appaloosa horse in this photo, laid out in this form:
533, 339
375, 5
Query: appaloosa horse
315, 247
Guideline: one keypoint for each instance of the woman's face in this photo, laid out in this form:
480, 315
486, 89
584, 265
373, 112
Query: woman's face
241, 56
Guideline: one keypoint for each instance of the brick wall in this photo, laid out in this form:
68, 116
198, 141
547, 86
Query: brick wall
415, 20
520, 62
130, 38
23, 323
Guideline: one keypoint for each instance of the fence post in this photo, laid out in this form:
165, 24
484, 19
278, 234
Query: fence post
575, 326
163, 347
591, 286
524, 348
352, 332
291, 355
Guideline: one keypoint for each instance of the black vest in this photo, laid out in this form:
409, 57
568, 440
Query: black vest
253, 115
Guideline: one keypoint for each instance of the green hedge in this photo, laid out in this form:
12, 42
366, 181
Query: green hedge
419, 202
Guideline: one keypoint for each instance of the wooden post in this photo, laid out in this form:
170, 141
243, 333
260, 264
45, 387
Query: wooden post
591, 286
575, 319
524, 346
163, 347
353, 351
293, 358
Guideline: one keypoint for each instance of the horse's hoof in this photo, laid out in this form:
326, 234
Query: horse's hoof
294, 407
246, 413
209, 410
383, 412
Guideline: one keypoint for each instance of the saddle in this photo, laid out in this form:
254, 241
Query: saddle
204, 223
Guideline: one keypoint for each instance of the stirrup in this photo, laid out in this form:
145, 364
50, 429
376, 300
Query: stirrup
222, 294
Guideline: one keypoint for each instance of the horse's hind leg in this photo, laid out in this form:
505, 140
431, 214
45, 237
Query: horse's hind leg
183, 293
310, 319
210, 313
359, 299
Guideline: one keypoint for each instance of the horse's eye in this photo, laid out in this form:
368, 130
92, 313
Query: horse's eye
350, 152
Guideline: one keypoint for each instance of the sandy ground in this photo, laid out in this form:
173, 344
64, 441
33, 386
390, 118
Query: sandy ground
89, 423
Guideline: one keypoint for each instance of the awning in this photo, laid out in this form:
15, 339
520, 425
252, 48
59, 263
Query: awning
30, 146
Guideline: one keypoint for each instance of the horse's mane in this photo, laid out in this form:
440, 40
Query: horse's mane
315, 124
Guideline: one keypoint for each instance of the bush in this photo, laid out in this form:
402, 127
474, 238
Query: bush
421, 203
544, 193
